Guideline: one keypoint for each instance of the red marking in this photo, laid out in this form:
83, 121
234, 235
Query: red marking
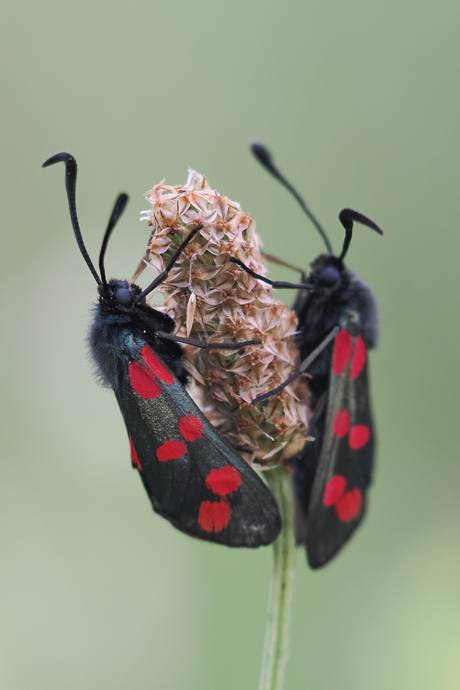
213, 516
342, 351
171, 450
156, 366
223, 481
341, 424
349, 506
359, 436
142, 381
134, 456
334, 490
190, 427
359, 358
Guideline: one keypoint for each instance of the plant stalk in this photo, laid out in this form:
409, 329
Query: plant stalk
276, 650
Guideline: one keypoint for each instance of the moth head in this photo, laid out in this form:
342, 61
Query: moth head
119, 293
328, 273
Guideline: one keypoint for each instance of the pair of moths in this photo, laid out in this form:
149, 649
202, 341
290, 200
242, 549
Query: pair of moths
192, 476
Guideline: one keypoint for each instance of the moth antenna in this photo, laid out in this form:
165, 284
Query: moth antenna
119, 207
264, 157
347, 216
71, 185
164, 274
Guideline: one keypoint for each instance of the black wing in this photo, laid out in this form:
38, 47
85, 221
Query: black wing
193, 478
343, 473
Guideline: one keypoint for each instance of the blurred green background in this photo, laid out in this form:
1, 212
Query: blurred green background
360, 103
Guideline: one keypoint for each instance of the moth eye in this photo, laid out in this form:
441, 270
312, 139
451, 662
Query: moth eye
329, 276
124, 297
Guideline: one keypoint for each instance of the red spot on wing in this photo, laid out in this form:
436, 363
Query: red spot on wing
223, 481
359, 436
341, 424
342, 351
334, 490
171, 450
142, 381
190, 427
156, 366
349, 506
213, 516
359, 358
134, 456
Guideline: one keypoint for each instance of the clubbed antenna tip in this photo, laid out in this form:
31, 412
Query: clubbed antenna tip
265, 158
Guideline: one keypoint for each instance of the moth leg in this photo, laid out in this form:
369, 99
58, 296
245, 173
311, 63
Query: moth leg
280, 262
239, 449
164, 274
273, 283
319, 410
303, 366
224, 345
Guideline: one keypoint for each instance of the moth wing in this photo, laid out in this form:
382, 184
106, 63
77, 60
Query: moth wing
344, 470
193, 478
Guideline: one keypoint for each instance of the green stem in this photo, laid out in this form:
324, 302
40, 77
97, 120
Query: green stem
276, 649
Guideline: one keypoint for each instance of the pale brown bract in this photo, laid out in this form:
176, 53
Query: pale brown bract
212, 299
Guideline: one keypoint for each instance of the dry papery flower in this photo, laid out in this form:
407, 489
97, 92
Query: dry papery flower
212, 299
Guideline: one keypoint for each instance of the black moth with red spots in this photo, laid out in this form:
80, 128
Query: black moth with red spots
192, 477
338, 316
331, 473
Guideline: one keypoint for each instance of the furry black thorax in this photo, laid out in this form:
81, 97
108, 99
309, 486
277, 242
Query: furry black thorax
117, 333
